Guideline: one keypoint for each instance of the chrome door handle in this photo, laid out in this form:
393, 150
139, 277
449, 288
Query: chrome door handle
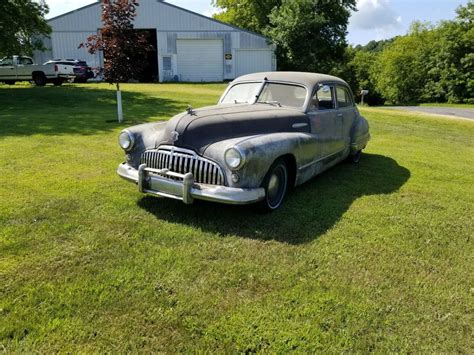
340, 115
299, 125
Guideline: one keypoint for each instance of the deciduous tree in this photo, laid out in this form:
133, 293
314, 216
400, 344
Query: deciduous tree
123, 48
249, 14
22, 23
309, 34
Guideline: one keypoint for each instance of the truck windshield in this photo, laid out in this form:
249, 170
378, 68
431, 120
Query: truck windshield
277, 94
6, 62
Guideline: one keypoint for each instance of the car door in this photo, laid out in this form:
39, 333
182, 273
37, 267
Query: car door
347, 111
7, 69
326, 125
24, 67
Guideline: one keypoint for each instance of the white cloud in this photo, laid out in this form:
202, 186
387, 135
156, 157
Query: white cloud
211, 11
377, 15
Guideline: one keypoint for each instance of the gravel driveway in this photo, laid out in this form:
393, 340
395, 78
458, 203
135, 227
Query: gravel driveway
445, 111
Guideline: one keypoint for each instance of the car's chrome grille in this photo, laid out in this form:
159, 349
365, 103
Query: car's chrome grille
184, 161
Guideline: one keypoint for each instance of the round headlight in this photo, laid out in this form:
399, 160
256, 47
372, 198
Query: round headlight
234, 158
126, 140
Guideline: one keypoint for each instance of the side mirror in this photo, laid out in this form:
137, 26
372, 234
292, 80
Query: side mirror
325, 88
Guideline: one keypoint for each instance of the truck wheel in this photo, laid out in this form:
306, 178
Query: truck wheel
275, 185
57, 82
10, 82
39, 79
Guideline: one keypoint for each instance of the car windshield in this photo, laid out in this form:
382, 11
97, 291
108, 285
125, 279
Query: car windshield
272, 94
242, 93
283, 95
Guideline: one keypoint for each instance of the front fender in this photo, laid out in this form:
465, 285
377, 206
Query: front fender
261, 151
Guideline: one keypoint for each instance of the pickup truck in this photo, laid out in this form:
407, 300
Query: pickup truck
20, 68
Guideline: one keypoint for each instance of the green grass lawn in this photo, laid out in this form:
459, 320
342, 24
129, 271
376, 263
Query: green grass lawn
374, 257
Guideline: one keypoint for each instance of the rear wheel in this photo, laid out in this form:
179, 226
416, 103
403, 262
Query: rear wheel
10, 82
275, 185
39, 79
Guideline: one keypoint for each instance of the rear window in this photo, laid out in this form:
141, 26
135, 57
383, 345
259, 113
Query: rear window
343, 97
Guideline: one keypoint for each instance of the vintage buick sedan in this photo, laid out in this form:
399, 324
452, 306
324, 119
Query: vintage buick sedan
268, 132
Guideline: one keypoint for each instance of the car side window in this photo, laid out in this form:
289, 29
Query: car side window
25, 61
323, 99
343, 97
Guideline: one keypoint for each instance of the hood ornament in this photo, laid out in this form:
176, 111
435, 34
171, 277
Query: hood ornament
190, 110
174, 136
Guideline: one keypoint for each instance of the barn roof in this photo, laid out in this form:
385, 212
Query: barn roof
170, 5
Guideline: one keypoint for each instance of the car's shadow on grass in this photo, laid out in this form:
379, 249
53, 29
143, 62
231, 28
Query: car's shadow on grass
73, 109
308, 212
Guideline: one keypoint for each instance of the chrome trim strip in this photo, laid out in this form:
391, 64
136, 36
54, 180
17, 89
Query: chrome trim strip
320, 159
299, 125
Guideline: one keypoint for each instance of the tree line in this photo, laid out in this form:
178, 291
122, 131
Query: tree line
432, 63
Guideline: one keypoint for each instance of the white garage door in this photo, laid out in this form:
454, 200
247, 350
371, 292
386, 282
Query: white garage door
200, 60
252, 61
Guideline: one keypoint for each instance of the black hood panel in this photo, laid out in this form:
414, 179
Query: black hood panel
212, 124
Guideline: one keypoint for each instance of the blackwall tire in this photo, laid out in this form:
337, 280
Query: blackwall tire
39, 79
275, 185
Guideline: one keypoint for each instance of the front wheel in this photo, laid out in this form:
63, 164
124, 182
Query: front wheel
275, 185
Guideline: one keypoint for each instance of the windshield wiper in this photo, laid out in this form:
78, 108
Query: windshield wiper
274, 103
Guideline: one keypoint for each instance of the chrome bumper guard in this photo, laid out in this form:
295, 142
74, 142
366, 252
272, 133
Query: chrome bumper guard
160, 182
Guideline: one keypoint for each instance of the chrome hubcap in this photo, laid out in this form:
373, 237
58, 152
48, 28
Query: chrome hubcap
276, 186
273, 186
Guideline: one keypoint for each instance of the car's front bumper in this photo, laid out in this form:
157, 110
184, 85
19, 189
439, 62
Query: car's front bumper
181, 187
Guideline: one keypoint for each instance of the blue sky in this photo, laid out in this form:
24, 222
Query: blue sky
376, 19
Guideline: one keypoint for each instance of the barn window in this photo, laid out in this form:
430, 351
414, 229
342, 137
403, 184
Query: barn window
167, 63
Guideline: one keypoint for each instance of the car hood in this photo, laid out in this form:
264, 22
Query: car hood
201, 127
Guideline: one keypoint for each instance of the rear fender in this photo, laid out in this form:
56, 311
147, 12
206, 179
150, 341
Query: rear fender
360, 134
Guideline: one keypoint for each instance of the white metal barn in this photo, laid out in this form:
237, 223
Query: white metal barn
188, 46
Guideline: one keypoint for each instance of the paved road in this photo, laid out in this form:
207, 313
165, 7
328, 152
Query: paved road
445, 111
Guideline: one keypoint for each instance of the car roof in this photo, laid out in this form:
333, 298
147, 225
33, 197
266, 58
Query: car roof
307, 79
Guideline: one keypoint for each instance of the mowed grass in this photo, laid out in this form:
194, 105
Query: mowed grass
374, 257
